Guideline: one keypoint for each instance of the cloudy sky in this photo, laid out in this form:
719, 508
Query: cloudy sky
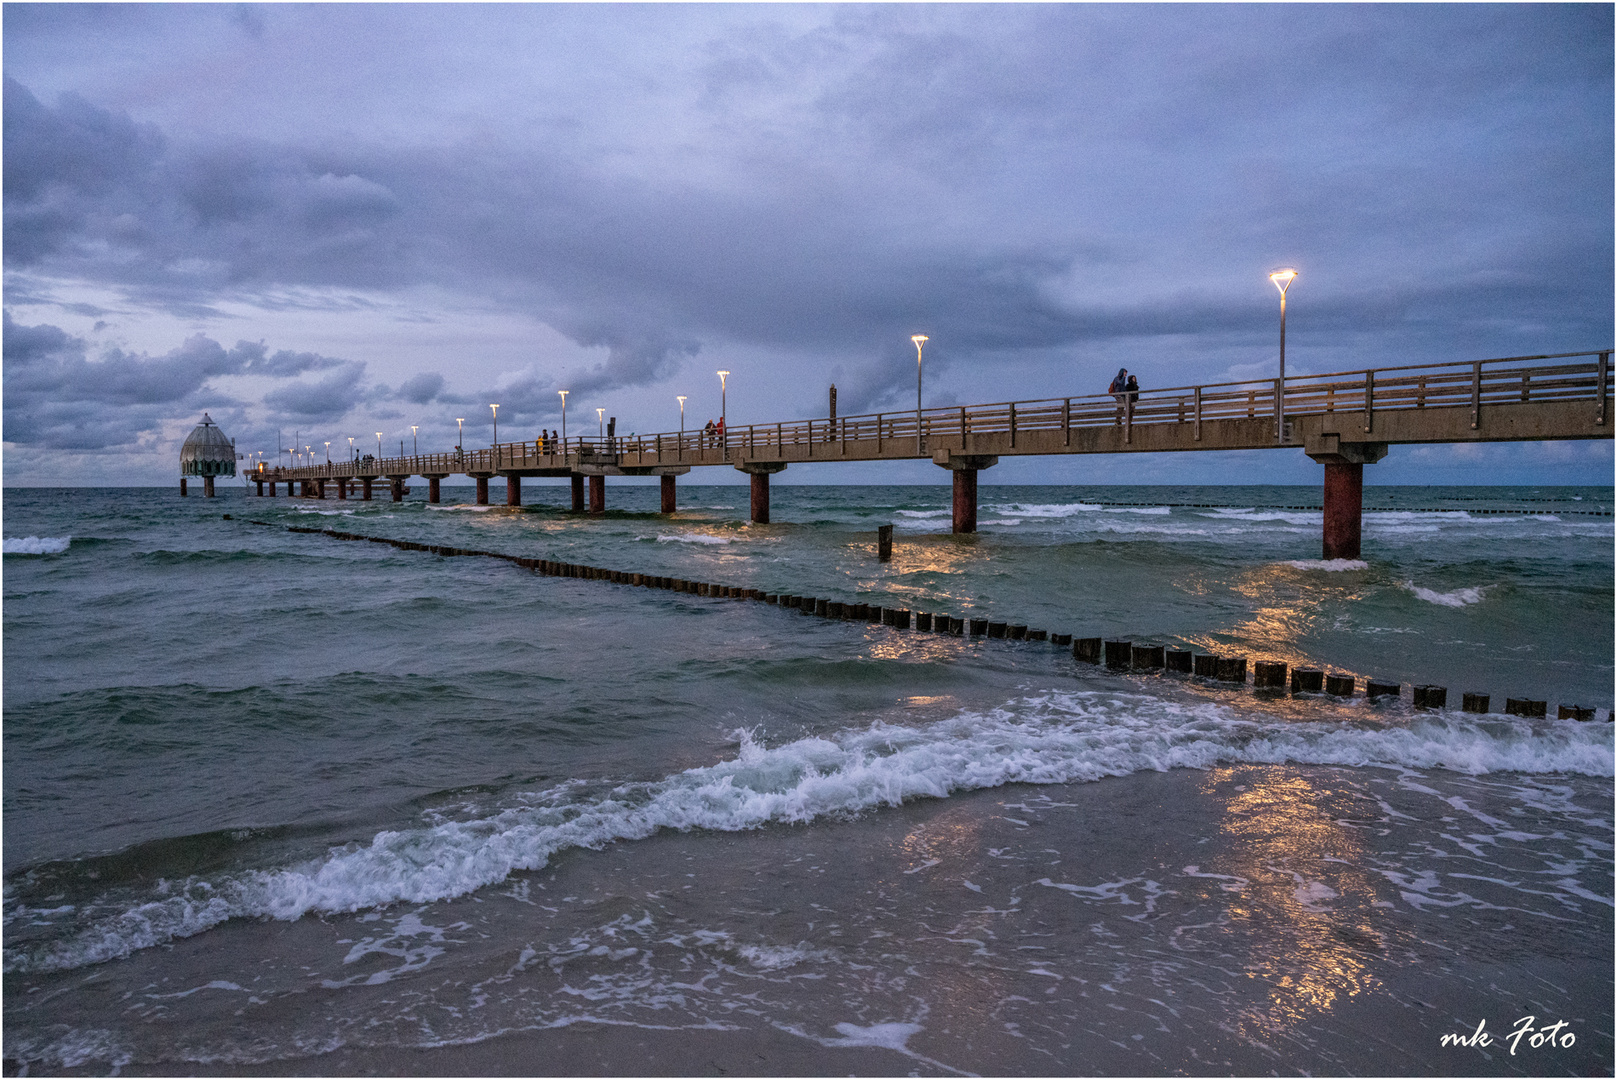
336, 220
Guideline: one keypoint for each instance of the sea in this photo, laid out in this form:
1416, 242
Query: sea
276, 802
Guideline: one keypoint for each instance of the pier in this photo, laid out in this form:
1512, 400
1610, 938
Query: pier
1343, 421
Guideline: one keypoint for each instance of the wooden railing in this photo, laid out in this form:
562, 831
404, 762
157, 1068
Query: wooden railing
1471, 385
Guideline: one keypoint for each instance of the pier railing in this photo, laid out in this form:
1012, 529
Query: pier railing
906, 433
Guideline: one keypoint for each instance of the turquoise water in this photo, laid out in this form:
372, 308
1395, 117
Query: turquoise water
215, 728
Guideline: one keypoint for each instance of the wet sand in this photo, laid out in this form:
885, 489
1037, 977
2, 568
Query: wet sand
1245, 920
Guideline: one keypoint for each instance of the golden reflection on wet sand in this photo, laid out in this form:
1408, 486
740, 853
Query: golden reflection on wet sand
1312, 942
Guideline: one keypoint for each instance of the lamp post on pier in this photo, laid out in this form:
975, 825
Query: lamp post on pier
919, 339
1282, 279
415, 444
378, 446
681, 399
600, 421
460, 433
495, 409
350, 448
328, 451
564, 394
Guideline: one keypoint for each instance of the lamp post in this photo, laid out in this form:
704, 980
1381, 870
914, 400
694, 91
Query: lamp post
919, 339
495, 409
600, 421
378, 446
1282, 279
460, 432
415, 444
350, 448
681, 399
328, 452
564, 394
723, 375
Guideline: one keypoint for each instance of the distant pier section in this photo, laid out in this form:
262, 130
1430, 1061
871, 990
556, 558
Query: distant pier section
1344, 421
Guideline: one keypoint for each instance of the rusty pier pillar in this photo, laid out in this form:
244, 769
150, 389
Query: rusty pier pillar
965, 468
342, 489
760, 472
207, 487
513, 490
667, 486
183, 492
432, 488
365, 492
1343, 491
578, 493
482, 491
597, 494
398, 488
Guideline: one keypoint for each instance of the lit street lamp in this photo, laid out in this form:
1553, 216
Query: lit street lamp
919, 339
460, 430
724, 422
350, 448
415, 444
328, 452
681, 399
378, 446
564, 394
600, 420
1282, 280
495, 408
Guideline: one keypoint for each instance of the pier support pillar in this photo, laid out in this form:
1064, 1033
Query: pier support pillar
365, 492
965, 468
342, 489
578, 493
760, 472
260, 489
320, 489
482, 491
1344, 490
183, 492
432, 488
513, 490
207, 487
597, 494
398, 489
668, 494
965, 501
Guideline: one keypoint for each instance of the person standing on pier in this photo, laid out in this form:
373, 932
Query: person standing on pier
708, 433
1119, 392
1133, 395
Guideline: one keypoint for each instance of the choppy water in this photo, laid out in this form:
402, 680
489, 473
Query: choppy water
269, 793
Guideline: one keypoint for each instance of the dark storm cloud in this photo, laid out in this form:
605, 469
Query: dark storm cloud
1015, 181
57, 396
329, 398
423, 388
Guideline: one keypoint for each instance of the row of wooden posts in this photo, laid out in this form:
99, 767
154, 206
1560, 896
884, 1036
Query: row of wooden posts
1268, 675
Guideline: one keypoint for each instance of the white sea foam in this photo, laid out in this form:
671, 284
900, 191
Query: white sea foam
36, 545
464, 509
1329, 565
1459, 598
691, 538
1056, 737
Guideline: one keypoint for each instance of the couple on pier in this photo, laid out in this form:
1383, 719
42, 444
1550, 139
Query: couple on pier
1125, 390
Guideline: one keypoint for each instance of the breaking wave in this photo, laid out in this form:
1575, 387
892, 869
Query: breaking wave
1049, 738
36, 545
